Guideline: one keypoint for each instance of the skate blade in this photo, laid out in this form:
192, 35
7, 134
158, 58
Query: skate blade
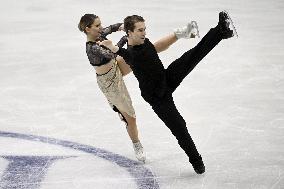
232, 24
142, 161
194, 25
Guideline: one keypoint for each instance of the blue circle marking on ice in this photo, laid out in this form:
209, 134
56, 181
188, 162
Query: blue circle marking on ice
143, 177
26, 172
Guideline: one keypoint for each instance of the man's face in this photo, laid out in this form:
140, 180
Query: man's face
95, 29
137, 37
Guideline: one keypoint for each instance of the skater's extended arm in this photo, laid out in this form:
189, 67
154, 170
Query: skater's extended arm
114, 48
184, 32
112, 28
165, 42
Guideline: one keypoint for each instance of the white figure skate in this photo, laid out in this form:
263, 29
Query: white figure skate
139, 152
189, 31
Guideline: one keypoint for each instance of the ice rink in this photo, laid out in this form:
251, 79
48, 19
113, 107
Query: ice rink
58, 132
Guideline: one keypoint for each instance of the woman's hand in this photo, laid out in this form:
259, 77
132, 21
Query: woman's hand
121, 28
109, 45
106, 43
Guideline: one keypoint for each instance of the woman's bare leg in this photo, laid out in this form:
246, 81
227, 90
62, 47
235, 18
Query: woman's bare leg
131, 127
133, 134
124, 68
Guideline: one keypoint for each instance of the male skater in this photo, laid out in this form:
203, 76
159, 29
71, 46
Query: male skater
157, 83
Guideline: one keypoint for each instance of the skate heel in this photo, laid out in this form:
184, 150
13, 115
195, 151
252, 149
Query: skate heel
195, 26
231, 25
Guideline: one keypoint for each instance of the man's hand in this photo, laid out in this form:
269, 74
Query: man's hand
109, 45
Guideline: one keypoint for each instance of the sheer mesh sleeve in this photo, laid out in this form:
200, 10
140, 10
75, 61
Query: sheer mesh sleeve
122, 41
112, 28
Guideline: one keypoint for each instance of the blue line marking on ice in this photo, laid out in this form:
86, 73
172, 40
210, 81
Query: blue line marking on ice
143, 177
26, 172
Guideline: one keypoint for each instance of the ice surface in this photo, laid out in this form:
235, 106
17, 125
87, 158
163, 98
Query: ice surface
233, 102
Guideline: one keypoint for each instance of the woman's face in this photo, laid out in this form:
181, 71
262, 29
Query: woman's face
95, 29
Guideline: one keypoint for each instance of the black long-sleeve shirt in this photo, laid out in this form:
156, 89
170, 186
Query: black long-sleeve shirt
147, 68
98, 55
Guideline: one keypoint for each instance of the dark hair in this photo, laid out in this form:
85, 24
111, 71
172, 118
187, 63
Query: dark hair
86, 21
130, 21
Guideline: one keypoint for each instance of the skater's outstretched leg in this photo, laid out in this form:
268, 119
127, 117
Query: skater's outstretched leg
182, 66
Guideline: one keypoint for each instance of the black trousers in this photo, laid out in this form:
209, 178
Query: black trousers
175, 73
